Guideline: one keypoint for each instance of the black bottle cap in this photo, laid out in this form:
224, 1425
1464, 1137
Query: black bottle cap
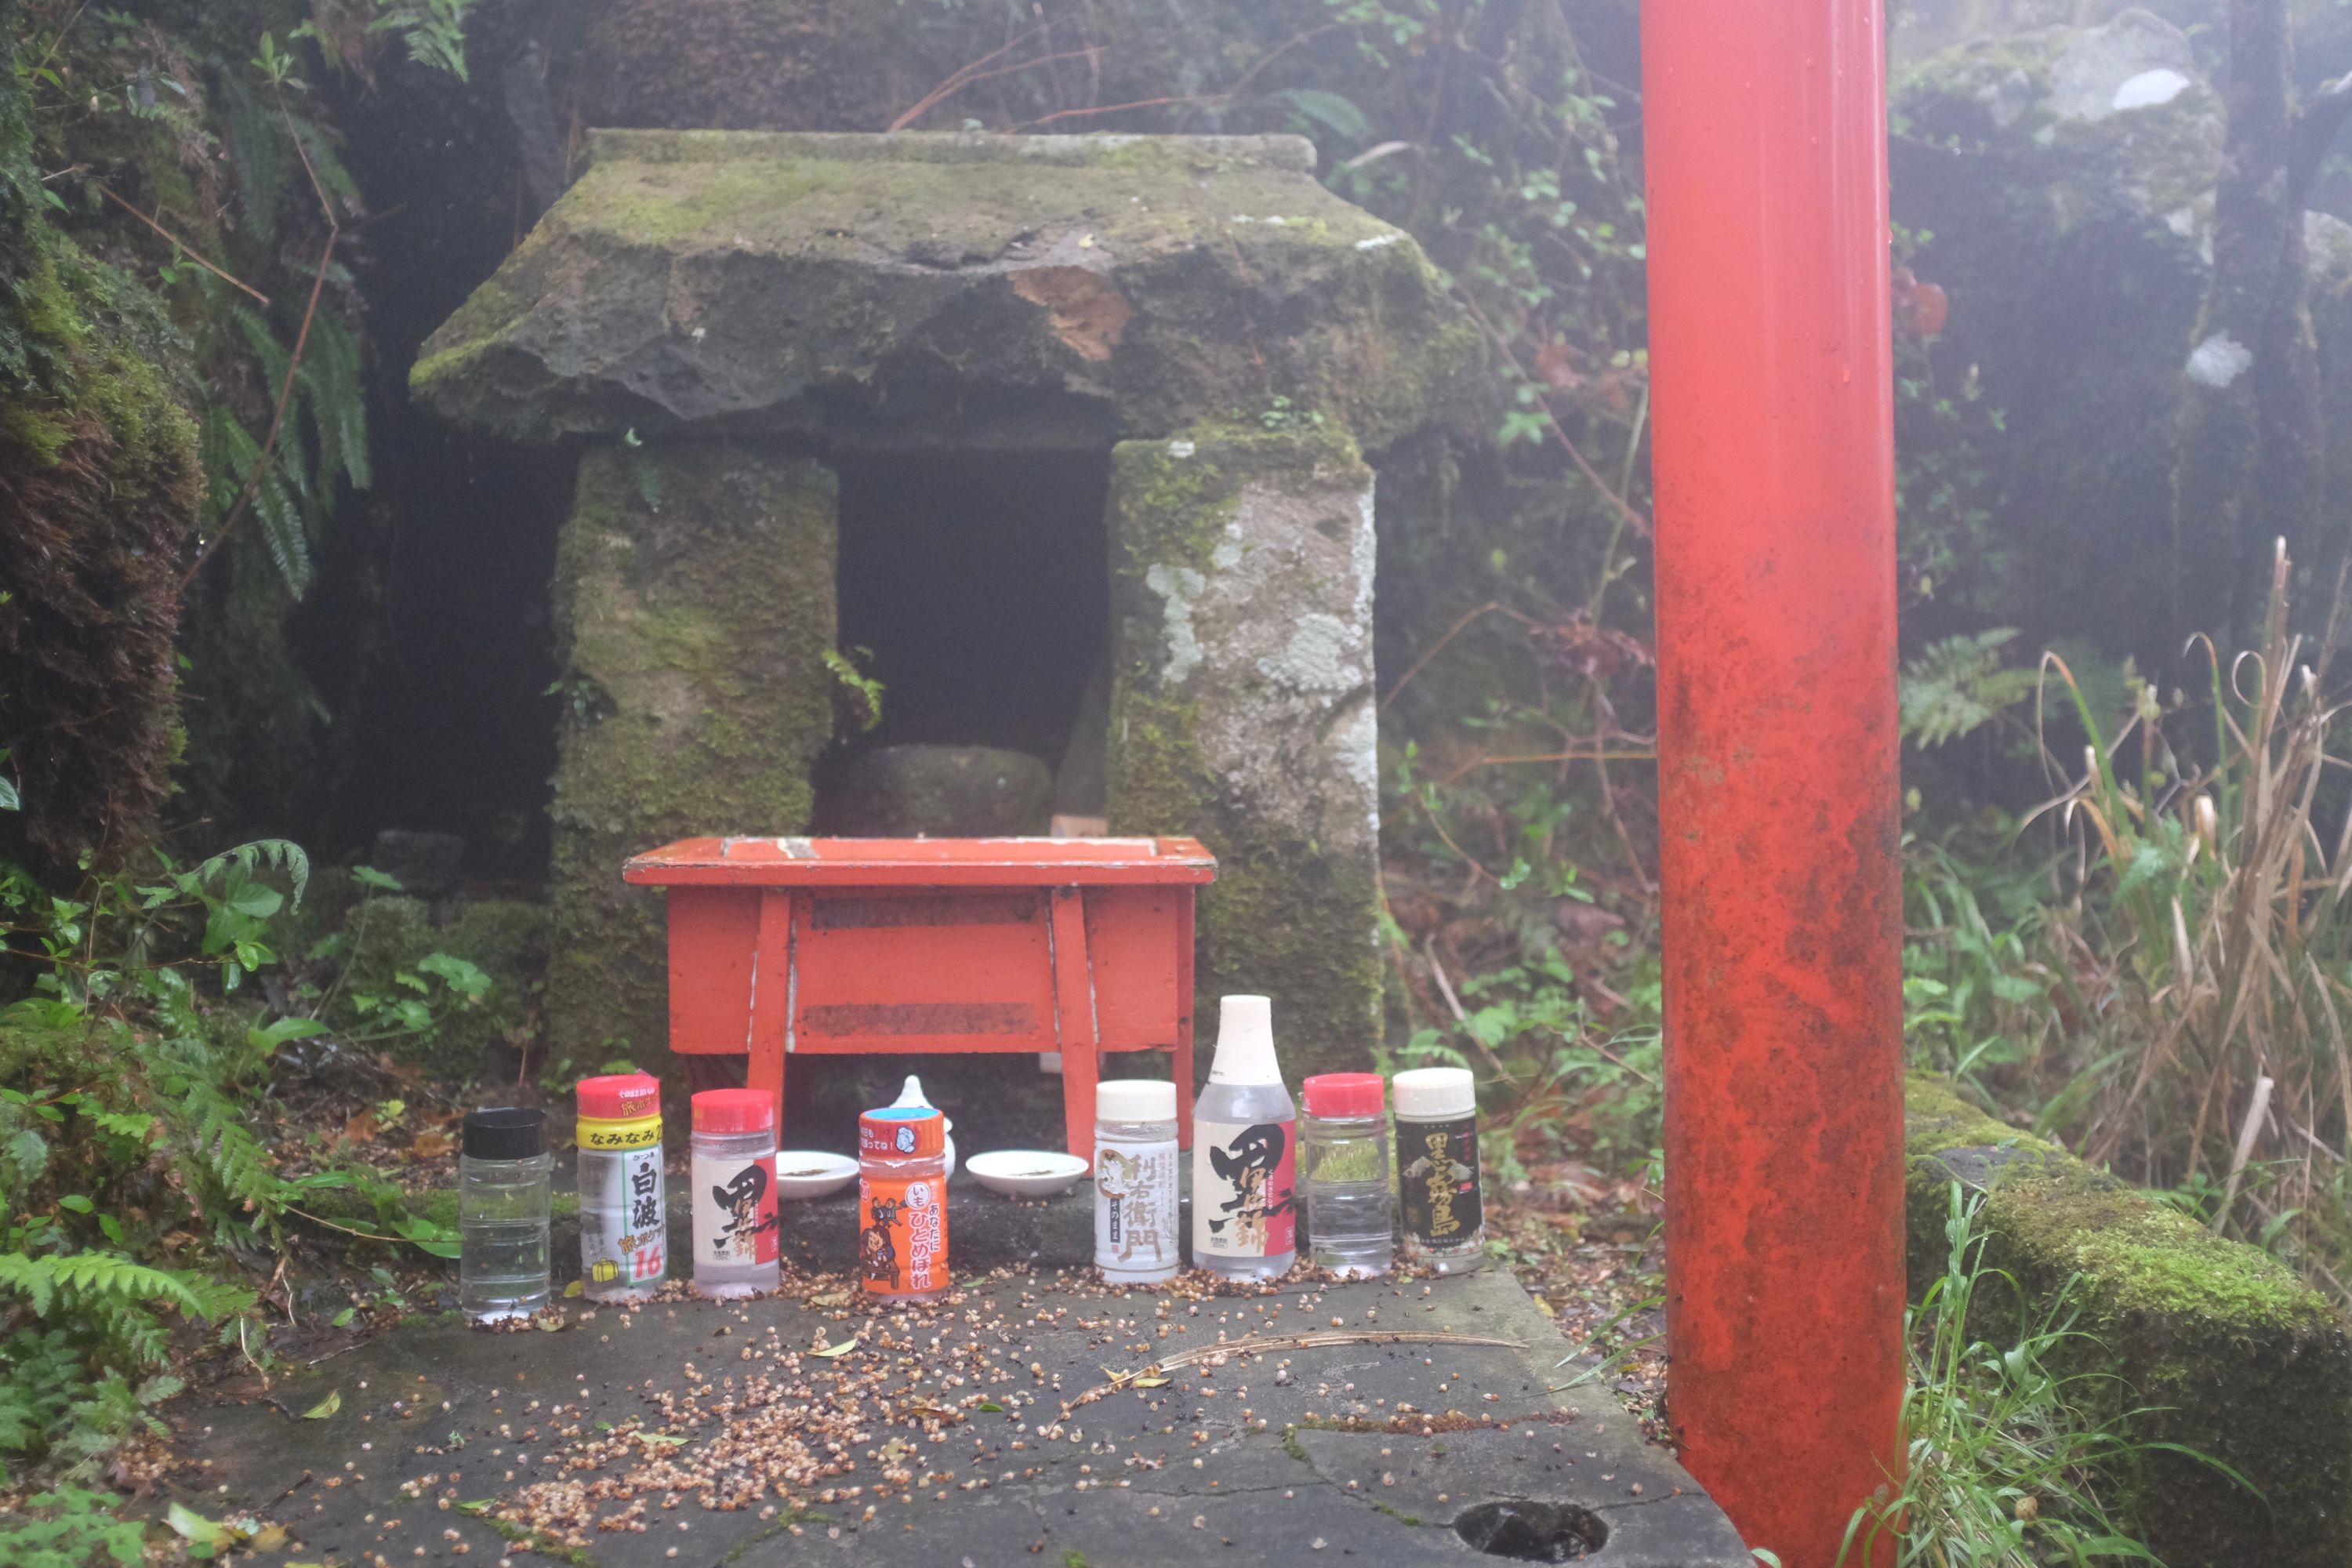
505, 1132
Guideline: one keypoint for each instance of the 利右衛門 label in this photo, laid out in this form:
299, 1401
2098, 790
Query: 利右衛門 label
1135, 1204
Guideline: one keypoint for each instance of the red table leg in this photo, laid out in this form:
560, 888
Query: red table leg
771, 987
1074, 1012
1183, 1066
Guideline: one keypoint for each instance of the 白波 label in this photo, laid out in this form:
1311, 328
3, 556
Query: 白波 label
623, 1232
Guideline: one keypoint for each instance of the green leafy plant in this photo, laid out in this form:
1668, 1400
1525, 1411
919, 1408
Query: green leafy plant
2010, 1452
68, 1527
131, 1172
865, 693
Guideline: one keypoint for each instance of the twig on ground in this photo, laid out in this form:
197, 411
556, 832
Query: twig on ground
1461, 1018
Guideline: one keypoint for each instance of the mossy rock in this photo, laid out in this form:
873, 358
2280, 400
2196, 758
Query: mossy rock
695, 600
102, 481
383, 939
1070, 288
1242, 714
2217, 1347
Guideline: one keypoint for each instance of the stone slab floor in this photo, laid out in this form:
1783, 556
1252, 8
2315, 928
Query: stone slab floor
1031, 1416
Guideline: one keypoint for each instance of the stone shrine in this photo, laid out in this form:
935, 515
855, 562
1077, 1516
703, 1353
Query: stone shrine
1070, 441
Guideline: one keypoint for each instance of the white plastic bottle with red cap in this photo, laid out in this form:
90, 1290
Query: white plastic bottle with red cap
1245, 1151
734, 1192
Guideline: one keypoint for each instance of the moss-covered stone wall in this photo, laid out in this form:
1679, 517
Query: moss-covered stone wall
1242, 713
99, 485
2219, 1348
694, 594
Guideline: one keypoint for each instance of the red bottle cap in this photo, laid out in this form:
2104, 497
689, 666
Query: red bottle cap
734, 1110
620, 1097
1344, 1094
902, 1132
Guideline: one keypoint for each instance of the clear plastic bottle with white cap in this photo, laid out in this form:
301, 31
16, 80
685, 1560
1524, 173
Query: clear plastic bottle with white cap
1245, 1151
1437, 1167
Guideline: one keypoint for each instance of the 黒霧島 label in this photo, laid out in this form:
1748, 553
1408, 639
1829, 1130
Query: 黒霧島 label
1437, 1172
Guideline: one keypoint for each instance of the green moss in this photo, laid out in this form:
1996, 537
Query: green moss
1241, 280
694, 638
2215, 1346
98, 459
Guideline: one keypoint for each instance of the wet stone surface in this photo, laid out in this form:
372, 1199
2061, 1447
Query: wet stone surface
1032, 1415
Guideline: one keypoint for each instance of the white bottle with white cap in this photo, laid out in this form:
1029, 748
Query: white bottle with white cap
1245, 1151
1136, 1240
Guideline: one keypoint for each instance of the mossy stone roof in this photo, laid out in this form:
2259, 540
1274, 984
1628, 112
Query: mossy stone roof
1007, 287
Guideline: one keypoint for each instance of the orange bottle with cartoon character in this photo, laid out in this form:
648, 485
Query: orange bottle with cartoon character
902, 1202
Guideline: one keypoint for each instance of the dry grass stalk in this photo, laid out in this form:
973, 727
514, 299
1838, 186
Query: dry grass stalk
2226, 986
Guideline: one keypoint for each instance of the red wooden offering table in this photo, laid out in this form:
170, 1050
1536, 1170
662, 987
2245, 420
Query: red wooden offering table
783, 947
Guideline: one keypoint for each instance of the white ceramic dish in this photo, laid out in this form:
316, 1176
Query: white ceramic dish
1025, 1173
807, 1174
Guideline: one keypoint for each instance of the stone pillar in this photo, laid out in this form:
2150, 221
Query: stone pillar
1243, 710
694, 602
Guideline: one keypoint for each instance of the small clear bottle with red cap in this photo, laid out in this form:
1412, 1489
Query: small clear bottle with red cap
624, 1221
734, 1192
1344, 1173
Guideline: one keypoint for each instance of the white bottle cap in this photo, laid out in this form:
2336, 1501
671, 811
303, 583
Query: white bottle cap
1244, 1042
1129, 1100
1435, 1094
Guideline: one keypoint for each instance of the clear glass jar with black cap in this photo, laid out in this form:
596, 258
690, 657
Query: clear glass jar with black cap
503, 1175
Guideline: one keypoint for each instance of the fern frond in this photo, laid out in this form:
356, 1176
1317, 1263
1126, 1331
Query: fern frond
278, 854
96, 1278
1957, 685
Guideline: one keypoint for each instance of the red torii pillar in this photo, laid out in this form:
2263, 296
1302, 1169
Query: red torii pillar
1765, 145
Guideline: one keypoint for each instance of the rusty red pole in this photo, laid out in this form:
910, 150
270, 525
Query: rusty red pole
1765, 145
